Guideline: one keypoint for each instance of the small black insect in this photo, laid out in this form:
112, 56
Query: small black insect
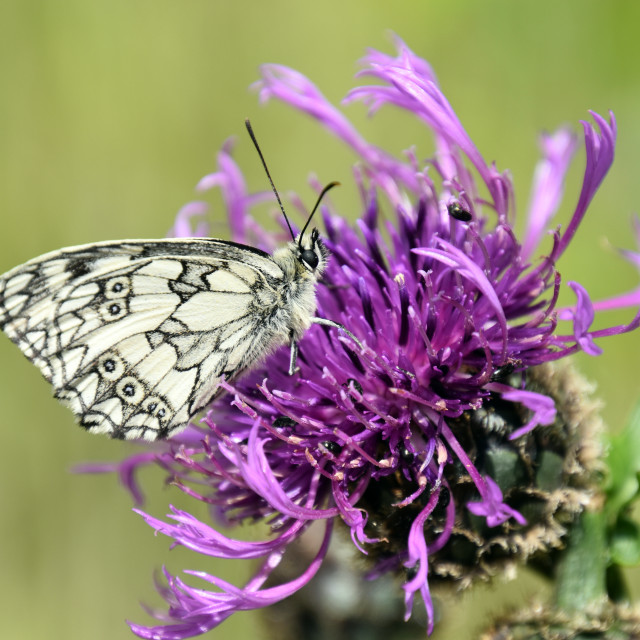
504, 371
457, 212
406, 454
283, 421
332, 447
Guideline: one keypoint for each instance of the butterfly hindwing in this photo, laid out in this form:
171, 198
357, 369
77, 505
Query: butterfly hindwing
134, 336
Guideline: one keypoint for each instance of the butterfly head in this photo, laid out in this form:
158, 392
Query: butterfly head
311, 252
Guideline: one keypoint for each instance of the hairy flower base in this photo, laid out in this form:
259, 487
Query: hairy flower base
621, 622
424, 435
548, 476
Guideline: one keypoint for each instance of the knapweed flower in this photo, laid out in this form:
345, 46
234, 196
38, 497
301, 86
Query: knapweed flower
436, 419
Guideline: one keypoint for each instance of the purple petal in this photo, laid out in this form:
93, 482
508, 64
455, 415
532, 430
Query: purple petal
543, 407
285, 84
583, 315
493, 508
600, 148
414, 88
182, 225
200, 537
456, 259
548, 185
418, 559
200, 610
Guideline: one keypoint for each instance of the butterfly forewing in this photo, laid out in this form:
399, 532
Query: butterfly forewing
134, 336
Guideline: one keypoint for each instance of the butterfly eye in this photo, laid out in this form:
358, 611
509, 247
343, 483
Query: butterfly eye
310, 258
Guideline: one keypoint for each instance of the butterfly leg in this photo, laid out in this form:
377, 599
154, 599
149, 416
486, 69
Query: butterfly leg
331, 323
335, 325
294, 356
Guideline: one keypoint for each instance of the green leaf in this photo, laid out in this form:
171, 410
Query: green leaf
581, 571
624, 465
624, 542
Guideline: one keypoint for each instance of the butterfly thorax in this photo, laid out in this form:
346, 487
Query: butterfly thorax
301, 273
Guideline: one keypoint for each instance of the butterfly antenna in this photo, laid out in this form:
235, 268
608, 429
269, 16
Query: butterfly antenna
264, 164
322, 193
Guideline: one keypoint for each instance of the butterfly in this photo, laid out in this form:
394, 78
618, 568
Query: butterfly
135, 335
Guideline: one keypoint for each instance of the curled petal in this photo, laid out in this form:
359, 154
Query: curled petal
456, 259
418, 561
260, 478
548, 185
493, 508
229, 179
200, 610
413, 87
583, 315
600, 148
182, 226
543, 407
200, 537
295, 89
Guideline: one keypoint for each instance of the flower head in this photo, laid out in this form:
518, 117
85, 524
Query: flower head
451, 312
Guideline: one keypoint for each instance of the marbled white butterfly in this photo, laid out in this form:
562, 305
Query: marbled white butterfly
135, 335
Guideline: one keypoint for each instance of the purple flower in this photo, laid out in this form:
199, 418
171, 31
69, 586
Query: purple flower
443, 306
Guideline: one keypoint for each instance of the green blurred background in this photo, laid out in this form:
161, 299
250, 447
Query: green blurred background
109, 114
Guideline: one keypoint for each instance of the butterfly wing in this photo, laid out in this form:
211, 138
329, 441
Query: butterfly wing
134, 336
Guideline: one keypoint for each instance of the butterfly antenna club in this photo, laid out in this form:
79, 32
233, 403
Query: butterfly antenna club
318, 201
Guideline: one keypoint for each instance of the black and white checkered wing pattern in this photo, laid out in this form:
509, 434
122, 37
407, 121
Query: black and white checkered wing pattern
134, 336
